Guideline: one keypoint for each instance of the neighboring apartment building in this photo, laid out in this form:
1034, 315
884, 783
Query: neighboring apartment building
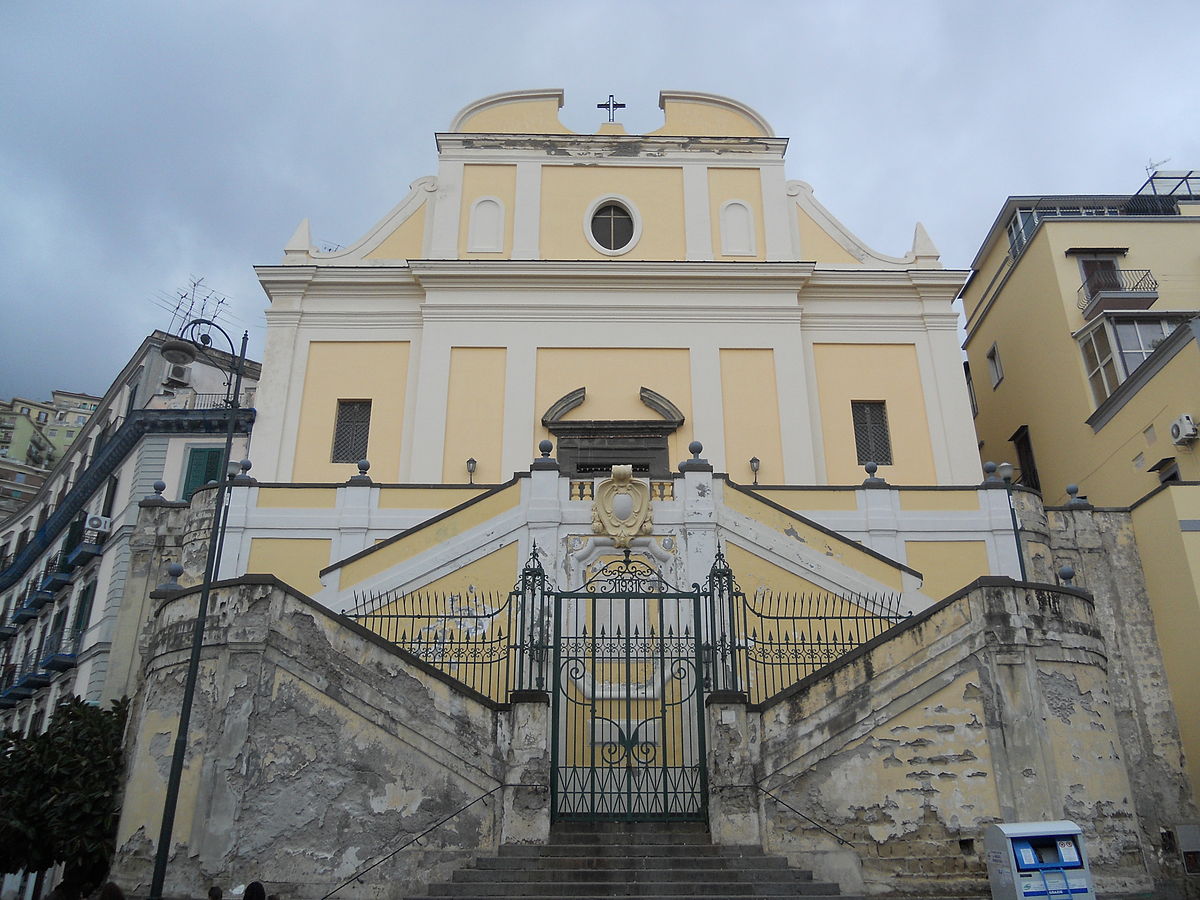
1084, 350
64, 554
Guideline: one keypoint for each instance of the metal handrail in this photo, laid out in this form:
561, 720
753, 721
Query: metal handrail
837, 837
1125, 281
358, 875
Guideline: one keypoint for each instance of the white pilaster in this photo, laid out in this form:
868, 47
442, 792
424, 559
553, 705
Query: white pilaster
446, 210
527, 211
520, 418
708, 404
433, 382
697, 225
775, 204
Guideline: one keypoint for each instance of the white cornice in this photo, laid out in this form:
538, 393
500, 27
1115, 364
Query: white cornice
644, 149
604, 275
606, 314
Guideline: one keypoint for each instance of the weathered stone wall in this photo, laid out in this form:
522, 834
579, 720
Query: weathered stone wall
991, 706
315, 748
1100, 545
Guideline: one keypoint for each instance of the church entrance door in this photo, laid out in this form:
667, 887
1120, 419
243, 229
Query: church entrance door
628, 691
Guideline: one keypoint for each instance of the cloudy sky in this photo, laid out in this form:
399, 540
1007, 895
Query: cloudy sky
146, 144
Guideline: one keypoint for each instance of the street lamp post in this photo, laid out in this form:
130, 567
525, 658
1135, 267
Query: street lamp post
196, 338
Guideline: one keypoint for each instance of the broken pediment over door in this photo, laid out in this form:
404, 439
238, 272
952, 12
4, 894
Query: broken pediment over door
589, 447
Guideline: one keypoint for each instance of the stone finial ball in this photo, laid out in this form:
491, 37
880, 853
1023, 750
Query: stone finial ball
989, 468
545, 447
872, 468
174, 569
1067, 573
1072, 489
159, 487
364, 465
682, 465
246, 466
695, 448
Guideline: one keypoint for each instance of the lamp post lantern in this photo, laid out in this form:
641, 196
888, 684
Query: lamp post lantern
195, 339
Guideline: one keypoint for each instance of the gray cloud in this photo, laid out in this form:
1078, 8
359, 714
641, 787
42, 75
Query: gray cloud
143, 143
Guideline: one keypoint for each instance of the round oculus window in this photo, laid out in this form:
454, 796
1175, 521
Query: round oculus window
612, 226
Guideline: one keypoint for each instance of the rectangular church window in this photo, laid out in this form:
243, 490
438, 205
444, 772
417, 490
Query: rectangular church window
351, 431
871, 437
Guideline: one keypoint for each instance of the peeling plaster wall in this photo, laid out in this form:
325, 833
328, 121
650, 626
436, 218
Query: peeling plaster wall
992, 706
1101, 545
313, 748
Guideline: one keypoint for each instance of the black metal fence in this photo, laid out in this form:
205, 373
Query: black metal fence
496, 643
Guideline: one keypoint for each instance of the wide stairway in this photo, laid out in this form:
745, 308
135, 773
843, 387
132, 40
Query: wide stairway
646, 860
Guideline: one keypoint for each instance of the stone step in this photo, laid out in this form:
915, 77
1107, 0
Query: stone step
662, 850
681, 838
674, 873
592, 861
580, 895
634, 889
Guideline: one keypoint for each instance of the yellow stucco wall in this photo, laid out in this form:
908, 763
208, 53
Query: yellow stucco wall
751, 403
297, 498
947, 565
1171, 562
841, 550
474, 413
569, 191
479, 181
816, 245
614, 377
334, 372
736, 184
489, 578
517, 117
687, 117
799, 501
425, 498
384, 556
406, 241
873, 372
293, 560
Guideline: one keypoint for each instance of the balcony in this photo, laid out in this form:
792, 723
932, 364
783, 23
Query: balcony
1109, 289
57, 573
32, 678
90, 545
59, 651
7, 631
23, 614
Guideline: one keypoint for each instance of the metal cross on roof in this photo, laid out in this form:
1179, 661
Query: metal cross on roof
612, 106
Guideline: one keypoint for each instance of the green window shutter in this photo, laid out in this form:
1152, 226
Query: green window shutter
84, 611
203, 466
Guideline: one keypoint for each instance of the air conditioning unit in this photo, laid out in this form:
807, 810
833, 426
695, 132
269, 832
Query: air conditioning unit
1183, 430
179, 374
103, 524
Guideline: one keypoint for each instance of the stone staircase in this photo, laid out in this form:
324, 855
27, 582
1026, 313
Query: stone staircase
645, 860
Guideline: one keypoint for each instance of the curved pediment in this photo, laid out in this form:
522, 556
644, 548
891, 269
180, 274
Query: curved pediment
558, 410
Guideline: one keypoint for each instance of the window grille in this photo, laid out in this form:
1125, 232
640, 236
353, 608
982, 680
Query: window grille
871, 437
351, 431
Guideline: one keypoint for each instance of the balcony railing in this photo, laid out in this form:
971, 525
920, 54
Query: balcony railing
59, 651
57, 572
88, 546
1108, 289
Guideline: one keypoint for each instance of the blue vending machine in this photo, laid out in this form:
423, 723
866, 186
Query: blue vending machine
1037, 859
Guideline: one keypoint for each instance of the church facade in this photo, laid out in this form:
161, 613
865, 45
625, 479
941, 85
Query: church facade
612, 476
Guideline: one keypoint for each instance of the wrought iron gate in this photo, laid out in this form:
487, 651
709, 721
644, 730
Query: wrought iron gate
628, 690
628, 660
